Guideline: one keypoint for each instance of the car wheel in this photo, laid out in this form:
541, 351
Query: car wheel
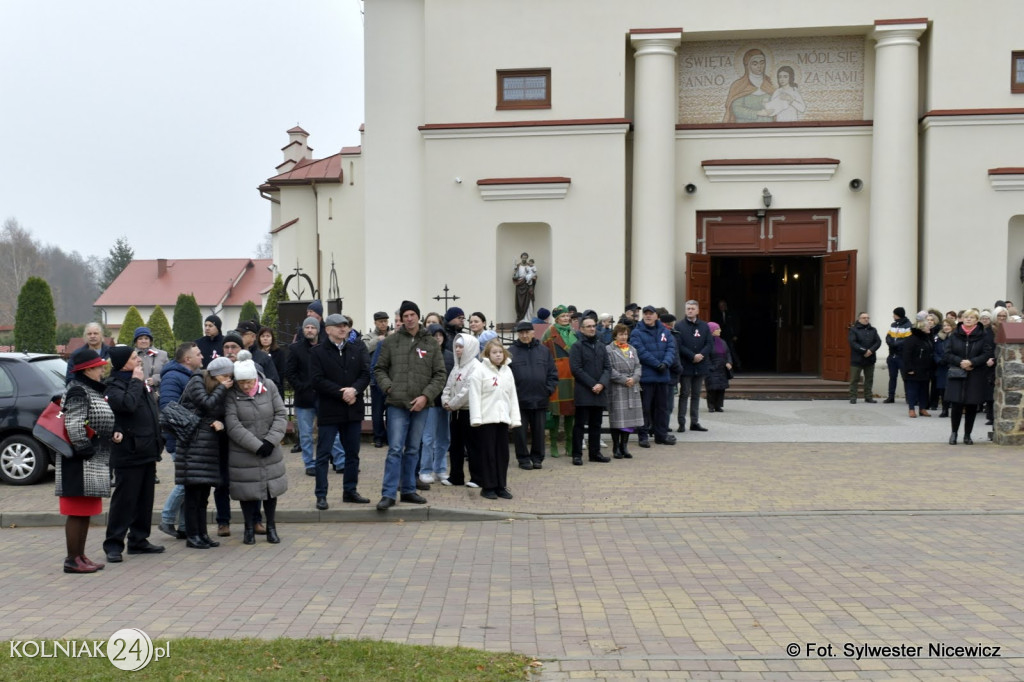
23, 460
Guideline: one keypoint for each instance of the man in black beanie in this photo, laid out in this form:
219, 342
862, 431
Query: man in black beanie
899, 332
134, 459
211, 343
410, 371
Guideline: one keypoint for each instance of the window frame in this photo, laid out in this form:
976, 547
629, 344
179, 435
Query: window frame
504, 104
1016, 86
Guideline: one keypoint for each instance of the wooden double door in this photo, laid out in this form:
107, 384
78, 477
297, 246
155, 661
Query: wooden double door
790, 294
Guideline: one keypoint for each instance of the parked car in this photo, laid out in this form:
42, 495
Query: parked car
28, 381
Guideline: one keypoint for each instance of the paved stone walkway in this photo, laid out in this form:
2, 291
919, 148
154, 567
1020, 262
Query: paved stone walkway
699, 561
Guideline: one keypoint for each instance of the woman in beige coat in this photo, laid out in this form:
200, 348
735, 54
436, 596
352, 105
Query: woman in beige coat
256, 419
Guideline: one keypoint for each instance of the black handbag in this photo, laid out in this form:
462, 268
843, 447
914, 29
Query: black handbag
956, 373
180, 421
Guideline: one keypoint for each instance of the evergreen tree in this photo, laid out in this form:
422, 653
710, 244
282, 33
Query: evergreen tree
277, 294
188, 320
249, 312
67, 331
121, 254
163, 337
35, 323
132, 321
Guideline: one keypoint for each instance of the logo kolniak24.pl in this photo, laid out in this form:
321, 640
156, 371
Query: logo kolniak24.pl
127, 649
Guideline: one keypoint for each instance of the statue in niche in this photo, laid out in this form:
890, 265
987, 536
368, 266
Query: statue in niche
524, 276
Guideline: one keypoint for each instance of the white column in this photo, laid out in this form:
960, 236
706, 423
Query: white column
892, 267
652, 248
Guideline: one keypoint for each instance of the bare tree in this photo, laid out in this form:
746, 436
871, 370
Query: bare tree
19, 259
265, 247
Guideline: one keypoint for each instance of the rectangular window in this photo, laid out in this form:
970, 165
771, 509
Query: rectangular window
1017, 72
524, 89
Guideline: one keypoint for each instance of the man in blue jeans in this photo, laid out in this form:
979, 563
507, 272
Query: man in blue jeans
339, 370
410, 372
305, 396
173, 377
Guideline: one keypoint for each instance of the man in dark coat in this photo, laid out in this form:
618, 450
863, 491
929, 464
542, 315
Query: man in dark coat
656, 350
211, 343
297, 372
588, 360
864, 345
536, 378
134, 459
339, 369
695, 346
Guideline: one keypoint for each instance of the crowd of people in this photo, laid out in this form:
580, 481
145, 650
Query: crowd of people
445, 397
944, 359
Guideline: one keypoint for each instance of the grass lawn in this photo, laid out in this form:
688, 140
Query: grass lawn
282, 659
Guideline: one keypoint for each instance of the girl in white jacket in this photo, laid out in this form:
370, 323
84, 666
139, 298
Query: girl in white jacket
455, 399
493, 410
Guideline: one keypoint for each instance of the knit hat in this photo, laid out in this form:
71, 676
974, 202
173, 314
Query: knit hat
317, 307
311, 321
633, 306
921, 314
220, 366
119, 356
543, 313
435, 329
899, 311
559, 309
245, 368
86, 358
216, 321
142, 331
408, 305
234, 337
452, 313
249, 326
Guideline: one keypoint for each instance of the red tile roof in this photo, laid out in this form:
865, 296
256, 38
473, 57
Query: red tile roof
307, 170
215, 282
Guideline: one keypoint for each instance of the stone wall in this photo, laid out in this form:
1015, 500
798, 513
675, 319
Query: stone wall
1009, 395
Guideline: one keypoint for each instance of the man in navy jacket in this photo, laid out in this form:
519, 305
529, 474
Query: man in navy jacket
695, 346
656, 350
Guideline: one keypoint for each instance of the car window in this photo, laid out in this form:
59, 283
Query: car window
6, 384
53, 370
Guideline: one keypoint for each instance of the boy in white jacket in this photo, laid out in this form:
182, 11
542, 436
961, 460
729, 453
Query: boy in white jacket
455, 399
493, 410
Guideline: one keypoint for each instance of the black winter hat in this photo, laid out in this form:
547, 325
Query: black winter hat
119, 356
899, 311
409, 305
216, 321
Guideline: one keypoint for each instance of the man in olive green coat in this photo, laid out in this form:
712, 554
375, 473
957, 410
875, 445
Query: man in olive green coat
410, 372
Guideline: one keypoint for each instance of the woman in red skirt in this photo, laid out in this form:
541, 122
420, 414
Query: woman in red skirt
84, 479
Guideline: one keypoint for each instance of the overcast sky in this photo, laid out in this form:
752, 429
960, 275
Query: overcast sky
158, 120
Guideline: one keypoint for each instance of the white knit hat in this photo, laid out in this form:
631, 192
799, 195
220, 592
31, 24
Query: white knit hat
245, 368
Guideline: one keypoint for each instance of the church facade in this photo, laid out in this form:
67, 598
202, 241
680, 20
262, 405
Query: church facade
801, 161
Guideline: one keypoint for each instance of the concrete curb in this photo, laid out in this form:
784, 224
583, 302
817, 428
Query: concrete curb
428, 513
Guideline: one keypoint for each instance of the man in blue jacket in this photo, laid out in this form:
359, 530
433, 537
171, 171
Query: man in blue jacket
657, 352
188, 359
695, 346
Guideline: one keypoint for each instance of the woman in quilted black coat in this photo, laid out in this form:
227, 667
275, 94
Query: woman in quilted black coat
197, 465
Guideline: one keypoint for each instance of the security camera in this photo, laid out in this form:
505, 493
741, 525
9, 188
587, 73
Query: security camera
690, 188
856, 184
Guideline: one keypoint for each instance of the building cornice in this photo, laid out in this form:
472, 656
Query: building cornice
594, 126
501, 189
765, 170
1006, 179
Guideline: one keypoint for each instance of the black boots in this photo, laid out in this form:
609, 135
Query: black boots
249, 535
272, 537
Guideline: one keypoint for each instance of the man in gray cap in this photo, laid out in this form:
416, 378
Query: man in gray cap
533, 367
339, 370
305, 396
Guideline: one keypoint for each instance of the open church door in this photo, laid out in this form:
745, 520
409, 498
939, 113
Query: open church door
698, 282
839, 294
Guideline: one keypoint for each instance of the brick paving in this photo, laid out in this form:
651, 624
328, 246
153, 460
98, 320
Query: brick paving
699, 561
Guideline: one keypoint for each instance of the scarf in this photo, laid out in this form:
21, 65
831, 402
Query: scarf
624, 347
257, 387
718, 344
567, 334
